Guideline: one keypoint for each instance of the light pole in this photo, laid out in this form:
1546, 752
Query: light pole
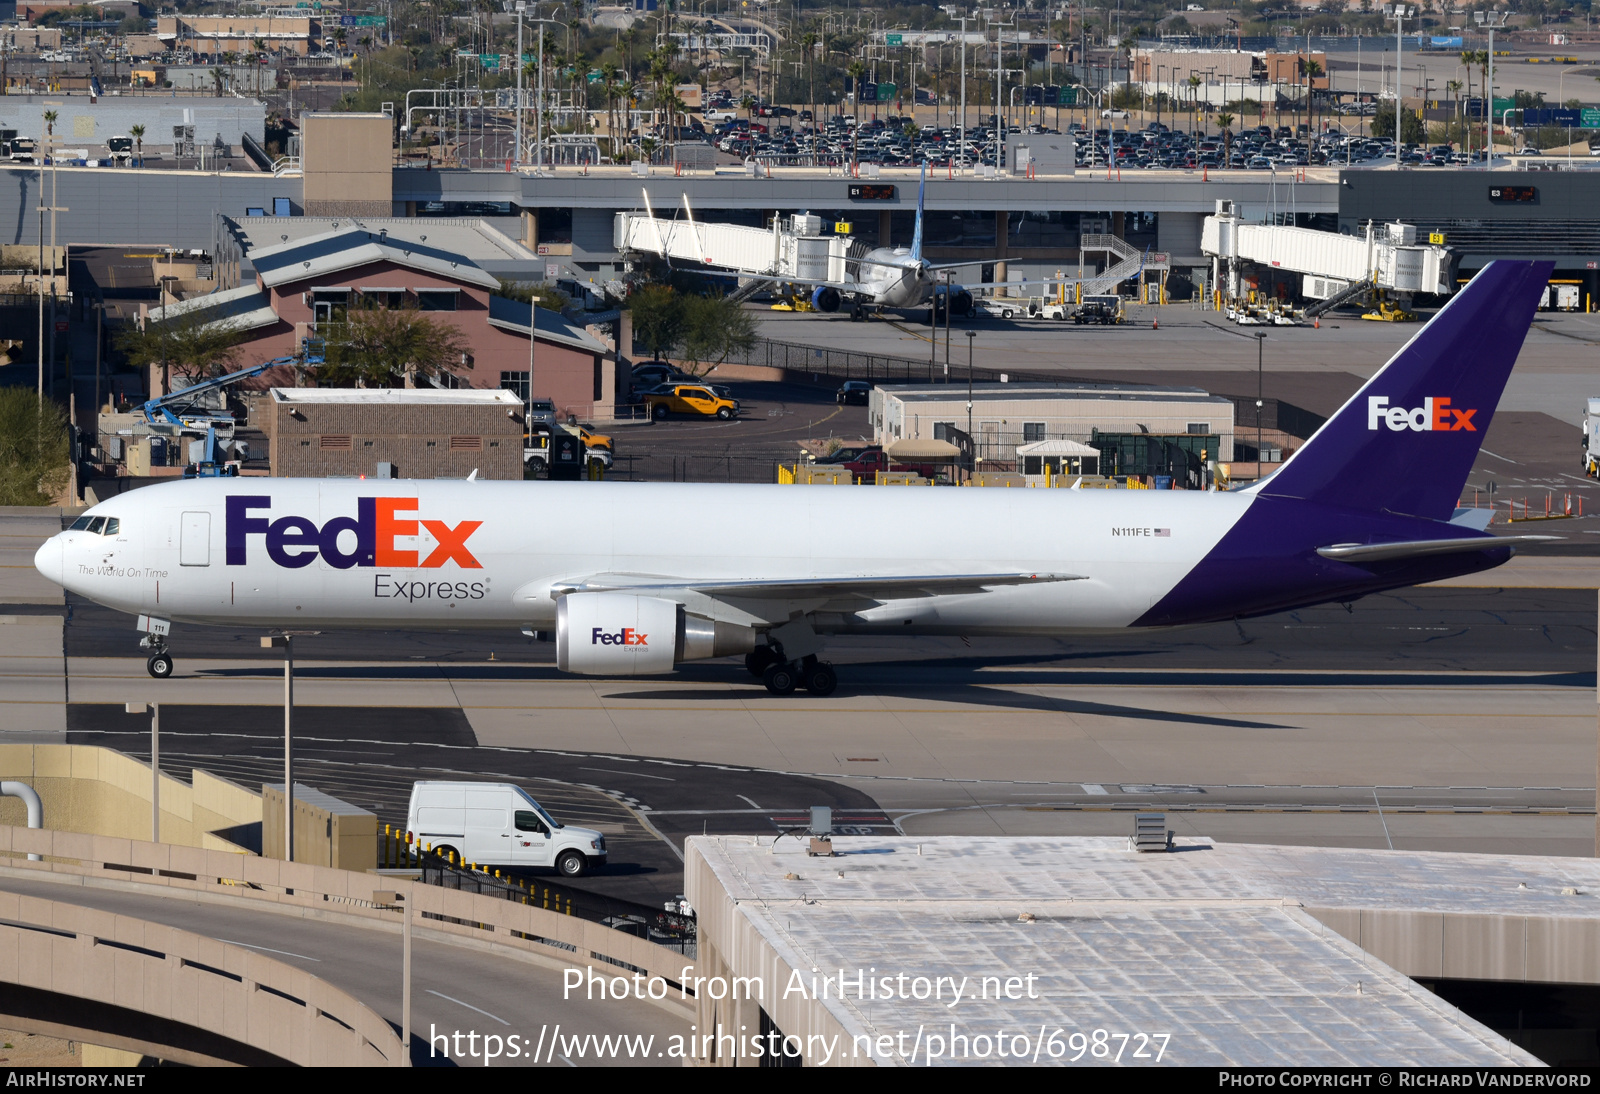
522, 6
972, 445
538, 106
285, 642
1399, 13
155, 765
1261, 340
400, 900
963, 126
1491, 20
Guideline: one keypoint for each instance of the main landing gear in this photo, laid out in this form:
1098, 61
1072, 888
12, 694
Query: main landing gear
782, 677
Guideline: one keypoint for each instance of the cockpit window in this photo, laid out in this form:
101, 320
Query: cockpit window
113, 526
80, 525
97, 524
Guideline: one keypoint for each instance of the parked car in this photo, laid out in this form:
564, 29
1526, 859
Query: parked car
853, 393
659, 372
499, 824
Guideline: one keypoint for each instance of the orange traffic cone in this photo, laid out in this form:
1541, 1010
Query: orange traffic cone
1155, 323
1316, 323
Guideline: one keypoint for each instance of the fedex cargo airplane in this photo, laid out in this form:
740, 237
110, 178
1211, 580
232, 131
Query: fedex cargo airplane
667, 572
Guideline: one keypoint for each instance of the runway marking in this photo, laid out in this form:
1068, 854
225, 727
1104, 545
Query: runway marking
469, 1006
269, 949
741, 797
1093, 788
1497, 456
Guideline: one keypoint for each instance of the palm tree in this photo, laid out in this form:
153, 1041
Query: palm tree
1313, 71
1454, 87
137, 133
609, 87
1224, 120
808, 47
1194, 98
626, 90
258, 48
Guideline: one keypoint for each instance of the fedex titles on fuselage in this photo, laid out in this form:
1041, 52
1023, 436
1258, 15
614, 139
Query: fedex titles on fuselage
295, 541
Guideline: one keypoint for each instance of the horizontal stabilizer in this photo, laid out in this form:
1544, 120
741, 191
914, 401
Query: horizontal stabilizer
1417, 548
867, 586
1476, 519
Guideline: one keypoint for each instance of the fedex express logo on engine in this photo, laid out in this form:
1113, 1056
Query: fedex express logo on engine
293, 542
627, 636
1434, 415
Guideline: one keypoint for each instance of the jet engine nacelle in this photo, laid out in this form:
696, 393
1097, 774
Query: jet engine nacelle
826, 298
620, 634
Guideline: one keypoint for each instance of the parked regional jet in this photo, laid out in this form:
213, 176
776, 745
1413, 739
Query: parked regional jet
1368, 503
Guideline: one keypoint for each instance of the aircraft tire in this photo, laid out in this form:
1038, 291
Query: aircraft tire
780, 678
758, 660
820, 679
159, 666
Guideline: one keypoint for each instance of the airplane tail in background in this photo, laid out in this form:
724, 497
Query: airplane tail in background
916, 235
1406, 441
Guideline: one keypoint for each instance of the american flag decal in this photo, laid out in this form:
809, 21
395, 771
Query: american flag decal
1164, 533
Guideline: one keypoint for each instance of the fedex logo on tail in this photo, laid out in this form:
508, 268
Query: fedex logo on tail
293, 542
1434, 415
627, 636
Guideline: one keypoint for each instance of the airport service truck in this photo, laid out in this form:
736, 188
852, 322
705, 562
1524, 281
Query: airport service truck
1591, 440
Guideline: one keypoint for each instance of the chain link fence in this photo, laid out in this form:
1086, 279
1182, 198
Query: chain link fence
842, 364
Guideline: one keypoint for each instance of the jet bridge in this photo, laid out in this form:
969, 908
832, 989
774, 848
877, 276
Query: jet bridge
1386, 257
794, 248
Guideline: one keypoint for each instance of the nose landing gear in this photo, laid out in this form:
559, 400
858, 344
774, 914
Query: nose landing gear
159, 664
156, 630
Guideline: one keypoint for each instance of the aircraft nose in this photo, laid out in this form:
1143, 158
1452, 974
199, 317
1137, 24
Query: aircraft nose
50, 558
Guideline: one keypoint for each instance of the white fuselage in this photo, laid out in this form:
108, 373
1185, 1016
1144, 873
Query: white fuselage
170, 557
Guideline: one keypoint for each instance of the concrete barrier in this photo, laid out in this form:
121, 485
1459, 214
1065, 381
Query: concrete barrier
156, 990
462, 916
86, 788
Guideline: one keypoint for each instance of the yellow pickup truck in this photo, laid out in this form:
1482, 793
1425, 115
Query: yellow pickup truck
696, 399
591, 439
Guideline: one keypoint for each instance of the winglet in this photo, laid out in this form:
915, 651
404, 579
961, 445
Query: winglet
916, 235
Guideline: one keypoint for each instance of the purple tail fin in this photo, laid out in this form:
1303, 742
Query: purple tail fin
1406, 441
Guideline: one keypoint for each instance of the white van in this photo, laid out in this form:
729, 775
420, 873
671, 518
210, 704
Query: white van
499, 824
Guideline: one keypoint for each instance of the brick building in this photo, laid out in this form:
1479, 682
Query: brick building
394, 433
306, 287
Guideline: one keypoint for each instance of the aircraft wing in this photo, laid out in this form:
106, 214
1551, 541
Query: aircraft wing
867, 587
1418, 548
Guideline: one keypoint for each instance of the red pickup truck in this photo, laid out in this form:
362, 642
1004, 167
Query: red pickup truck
874, 459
